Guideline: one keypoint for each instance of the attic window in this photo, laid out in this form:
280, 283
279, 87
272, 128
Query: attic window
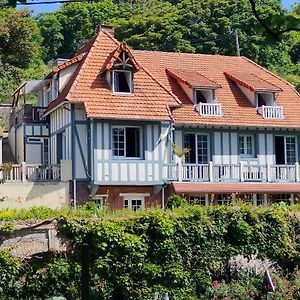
122, 81
204, 96
266, 99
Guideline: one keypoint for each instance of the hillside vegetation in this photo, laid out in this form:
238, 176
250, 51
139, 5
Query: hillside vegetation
185, 251
28, 43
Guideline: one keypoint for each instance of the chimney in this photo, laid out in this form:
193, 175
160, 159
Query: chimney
107, 28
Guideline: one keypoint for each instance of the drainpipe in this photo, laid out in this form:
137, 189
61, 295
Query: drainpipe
73, 154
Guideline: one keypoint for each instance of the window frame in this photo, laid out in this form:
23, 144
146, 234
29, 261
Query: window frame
201, 90
130, 83
134, 198
140, 141
196, 146
245, 154
285, 149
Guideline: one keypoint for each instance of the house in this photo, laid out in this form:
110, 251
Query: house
116, 114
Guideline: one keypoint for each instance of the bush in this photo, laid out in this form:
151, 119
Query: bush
175, 201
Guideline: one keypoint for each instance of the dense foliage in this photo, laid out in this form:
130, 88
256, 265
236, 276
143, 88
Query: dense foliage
185, 251
28, 43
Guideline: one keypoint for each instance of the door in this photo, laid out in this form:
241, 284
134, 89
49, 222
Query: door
285, 150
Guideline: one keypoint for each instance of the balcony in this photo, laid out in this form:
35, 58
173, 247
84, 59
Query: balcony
242, 172
27, 114
30, 172
209, 109
270, 112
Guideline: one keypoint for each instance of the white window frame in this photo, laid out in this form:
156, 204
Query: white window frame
130, 82
205, 90
285, 150
140, 146
202, 198
49, 92
131, 197
100, 200
196, 144
245, 136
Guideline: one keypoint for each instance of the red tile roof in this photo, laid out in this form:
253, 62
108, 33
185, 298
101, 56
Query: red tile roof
224, 188
253, 82
237, 109
192, 79
155, 91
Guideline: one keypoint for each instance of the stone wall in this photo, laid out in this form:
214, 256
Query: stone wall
30, 239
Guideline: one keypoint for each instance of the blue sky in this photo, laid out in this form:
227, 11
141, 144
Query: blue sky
51, 7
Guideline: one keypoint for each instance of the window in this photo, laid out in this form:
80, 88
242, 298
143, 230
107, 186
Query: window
246, 145
204, 96
285, 150
99, 200
198, 145
46, 152
197, 200
223, 199
286, 198
48, 93
260, 199
266, 99
134, 204
126, 142
122, 81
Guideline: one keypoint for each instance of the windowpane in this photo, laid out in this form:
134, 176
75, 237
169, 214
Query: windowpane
202, 147
126, 142
118, 144
246, 145
197, 200
122, 81
290, 150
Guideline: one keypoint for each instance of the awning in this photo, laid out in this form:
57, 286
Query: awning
227, 188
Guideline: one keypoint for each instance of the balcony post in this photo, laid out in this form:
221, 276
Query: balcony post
210, 171
180, 170
297, 177
23, 171
269, 175
241, 171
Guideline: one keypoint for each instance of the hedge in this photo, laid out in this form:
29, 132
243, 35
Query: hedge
184, 251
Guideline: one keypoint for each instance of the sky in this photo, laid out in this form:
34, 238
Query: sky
51, 7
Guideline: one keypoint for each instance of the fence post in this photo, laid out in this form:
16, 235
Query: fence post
23, 171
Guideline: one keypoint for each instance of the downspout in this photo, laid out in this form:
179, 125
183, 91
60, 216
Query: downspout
73, 155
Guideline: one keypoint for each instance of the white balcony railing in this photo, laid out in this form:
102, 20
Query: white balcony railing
242, 172
30, 172
209, 109
270, 112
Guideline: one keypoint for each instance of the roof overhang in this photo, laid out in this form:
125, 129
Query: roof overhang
228, 188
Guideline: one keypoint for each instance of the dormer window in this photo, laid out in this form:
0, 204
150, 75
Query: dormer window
204, 96
122, 81
266, 99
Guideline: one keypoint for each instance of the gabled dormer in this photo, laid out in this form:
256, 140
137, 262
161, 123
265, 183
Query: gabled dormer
261, 93
119, 70
201, 91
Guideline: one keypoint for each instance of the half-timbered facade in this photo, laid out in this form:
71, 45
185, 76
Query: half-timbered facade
117, 113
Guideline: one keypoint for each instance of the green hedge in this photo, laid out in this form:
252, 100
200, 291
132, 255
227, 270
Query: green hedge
180, 251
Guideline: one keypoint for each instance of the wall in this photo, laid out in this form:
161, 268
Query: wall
0, 147
224, 148
28, 194
65, 74
145, 170
115, 201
